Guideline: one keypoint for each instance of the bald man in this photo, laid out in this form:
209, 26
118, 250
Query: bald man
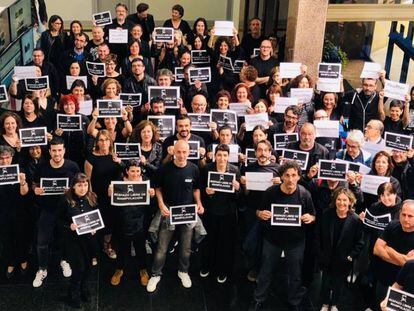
177, 183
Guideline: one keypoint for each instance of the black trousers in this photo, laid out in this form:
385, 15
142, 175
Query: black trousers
332, 286
218, 248
138, 240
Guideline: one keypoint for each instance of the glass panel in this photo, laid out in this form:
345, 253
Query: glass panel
371, 1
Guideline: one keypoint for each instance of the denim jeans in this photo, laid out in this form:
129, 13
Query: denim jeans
165, 235
271, 257
45, 235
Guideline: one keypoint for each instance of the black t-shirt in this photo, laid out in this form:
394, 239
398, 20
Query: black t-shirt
286, 237
393, 126
45, 170
169, 141
400, 241
249, 44
178, 183
264, 67
405, 277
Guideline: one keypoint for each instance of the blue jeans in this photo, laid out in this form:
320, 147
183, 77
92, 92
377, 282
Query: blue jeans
165, 235
271, 257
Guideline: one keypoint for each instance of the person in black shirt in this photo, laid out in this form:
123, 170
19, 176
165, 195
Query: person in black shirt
393, 249
404, 171
78, 199
177, 22
339, 238
399, 116
56, 167
98, 35
144, 19
254, 38
287, 241
220, 219
177, 183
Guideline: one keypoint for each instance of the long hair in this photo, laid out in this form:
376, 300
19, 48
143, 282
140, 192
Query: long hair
70, 193
348, 193
136, 133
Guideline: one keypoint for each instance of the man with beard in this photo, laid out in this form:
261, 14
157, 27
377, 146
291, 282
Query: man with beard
97, 39
263, 151
290, 123
361, 107
307, 143
404, 171
183, 129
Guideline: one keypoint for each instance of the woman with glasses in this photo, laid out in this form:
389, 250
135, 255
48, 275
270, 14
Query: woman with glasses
52, 41
353, 151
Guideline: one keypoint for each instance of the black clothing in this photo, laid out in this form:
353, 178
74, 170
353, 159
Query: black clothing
169, 141
120, 49
42, 12
132, 85
53, 46
178, 183
264, 68
318, 152
404, 172
393, 126
283, 236
48, 69
147, 25
360, 109
249, 43
184, 27
405, 277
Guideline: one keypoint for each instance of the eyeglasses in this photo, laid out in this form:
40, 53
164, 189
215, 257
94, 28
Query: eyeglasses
103, 139
352, 146
287, 117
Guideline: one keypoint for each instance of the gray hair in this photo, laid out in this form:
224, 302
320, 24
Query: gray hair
6, 149
164, 72
356, 136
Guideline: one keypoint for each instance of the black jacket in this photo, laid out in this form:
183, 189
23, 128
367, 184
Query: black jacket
318, 152
350, 242
360, 109
405, 176
147, 25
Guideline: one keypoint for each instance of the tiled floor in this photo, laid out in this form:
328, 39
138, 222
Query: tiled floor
206, 294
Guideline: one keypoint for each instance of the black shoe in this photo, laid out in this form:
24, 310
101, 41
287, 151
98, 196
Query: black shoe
74, 302
256, 306
9, 275
85, 295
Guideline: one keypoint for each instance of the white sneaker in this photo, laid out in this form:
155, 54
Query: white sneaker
66, 269
152, 283
334, 308
185, 279
40, 276
325, 308
222, 279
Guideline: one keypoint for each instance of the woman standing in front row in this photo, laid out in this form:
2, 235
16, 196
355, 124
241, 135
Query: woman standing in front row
340, 241
78, 199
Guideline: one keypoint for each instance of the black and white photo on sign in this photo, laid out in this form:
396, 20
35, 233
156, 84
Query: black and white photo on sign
109, 108
35, 136
102, 18
233, 155
178, 74
37, 83
255, 119
280, 141
88, 222
86, 107
164, 124
126, 151
329, 77
118, 36
126, 193
169, 94
327, 128
71, 79
67, 122
54, 186
9, 174
355, 167
332, 170
200, 122
221, 182
303, 95
240, 108
399, 300
258, 181
163, 34
200, 57
300, 157
283, 102
131, 99
286, 215
379, 222
4, 97
371, 70
96, 69
223, 28
250, 154
183, 214
396, 90
238, 65
23, 72
224, 117
202, 74
370, 183
289, 70
194, 149
398, 141
226, 63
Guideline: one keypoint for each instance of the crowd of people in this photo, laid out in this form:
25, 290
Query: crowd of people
331, 233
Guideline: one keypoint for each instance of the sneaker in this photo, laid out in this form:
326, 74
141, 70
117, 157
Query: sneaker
66, 270
334, 308
252, 276
185, 279
221, 279
204, 273
94, 261
325, 307
116, 278
152, 283
40, 276
144, 277
110, 253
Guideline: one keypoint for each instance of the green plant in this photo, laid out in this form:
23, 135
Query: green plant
333, 54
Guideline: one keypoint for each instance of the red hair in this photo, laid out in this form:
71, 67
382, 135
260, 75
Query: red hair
65, 99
